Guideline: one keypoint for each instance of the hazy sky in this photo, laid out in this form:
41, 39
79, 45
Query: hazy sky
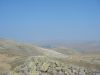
43, 20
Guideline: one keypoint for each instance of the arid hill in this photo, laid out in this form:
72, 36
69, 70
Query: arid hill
17, 58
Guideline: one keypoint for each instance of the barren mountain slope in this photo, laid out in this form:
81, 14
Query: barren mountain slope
18, 58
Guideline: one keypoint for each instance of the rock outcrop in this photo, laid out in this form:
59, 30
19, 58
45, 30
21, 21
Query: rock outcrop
41, 65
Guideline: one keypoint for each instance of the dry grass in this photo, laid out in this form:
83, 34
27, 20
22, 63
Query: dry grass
5, 60
89, 61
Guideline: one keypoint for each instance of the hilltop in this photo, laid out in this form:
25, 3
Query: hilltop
18, 58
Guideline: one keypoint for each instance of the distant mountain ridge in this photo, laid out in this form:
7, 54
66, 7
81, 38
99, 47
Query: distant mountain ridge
84, 47
17, 48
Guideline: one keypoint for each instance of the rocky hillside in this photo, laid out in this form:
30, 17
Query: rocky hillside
12, 52
41, 65
18, 58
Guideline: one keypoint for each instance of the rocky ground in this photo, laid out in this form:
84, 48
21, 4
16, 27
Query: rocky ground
41, 65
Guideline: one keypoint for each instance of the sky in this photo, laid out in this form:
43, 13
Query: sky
50, 20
